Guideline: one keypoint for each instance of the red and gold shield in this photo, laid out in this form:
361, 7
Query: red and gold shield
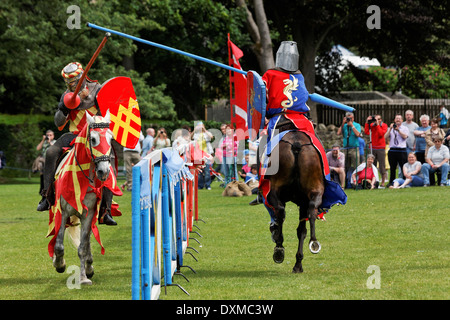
117, 95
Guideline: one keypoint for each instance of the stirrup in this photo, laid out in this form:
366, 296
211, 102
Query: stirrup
43, 205
256, 201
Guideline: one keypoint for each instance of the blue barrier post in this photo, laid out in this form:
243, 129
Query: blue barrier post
179, 227
135, 234
167, 258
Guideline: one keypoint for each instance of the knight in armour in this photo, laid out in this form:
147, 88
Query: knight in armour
72, 74
286, 107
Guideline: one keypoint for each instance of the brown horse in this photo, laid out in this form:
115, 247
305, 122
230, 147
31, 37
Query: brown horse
299, 179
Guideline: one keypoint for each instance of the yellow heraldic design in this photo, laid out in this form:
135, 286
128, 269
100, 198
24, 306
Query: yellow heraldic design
123, 119
287, 91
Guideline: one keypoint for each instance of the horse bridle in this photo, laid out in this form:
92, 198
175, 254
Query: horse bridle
100, 125
97, 159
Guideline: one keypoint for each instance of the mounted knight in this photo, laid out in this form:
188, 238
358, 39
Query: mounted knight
286, 96
76, 117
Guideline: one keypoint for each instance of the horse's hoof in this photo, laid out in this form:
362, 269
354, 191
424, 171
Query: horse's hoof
86, 282
314, 246
61, 269
278, 254
297, 270
90, 274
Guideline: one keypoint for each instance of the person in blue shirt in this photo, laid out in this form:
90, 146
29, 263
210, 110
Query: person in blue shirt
351, 131
421, 144
444, 115
148, 141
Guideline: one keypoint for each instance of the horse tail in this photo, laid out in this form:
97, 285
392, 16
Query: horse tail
296, 147
74, 231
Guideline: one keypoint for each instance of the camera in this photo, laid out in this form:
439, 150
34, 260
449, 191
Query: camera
46, 138
348, 119
161, 131
372, 120
394, 126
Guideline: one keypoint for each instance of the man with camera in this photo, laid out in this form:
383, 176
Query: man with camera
376, 129
350, 130
397, 134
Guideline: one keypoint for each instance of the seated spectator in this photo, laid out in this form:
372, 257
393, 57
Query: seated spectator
336, 161
432, 133
245, 167
366, 175
252, 179
436, 161
421, 144
412, 174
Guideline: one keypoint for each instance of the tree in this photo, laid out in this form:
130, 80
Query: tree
413, 32
199, 27
37, 44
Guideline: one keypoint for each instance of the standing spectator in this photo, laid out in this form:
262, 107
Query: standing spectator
47, 140
2, 160
397, 134
443, 116
350, 130
148, 141
182, 140
130, 158
421, 144
411, 125
218, 152
202, 140
436, 160
336, 161
447, 139
161, 141
376, 128
432, 134
229, 148
412, 172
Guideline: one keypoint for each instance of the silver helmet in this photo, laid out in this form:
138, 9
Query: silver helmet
287, 56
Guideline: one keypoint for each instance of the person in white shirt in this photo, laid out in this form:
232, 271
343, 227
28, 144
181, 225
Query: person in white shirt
436, 160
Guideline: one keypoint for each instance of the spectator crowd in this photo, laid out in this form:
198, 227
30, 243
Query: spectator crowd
414, 154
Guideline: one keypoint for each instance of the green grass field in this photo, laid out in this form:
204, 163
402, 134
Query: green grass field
402, 232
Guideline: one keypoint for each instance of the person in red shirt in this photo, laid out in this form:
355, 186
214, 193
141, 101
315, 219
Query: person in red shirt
376, 129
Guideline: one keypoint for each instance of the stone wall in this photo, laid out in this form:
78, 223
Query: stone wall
328, 135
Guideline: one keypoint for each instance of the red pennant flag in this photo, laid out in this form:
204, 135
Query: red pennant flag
238, 92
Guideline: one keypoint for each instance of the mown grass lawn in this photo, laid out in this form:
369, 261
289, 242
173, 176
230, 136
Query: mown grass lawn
404, 233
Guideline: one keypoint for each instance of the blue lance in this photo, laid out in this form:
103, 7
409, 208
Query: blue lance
313, 96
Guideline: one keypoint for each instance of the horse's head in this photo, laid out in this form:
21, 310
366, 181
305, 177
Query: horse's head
99, 139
